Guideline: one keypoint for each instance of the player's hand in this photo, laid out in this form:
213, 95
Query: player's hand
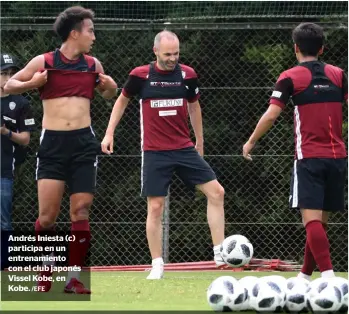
107, 144
39, 79
4, 131
246, 150
106, 82
200, 148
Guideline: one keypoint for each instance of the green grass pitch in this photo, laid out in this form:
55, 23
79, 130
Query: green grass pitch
131, 291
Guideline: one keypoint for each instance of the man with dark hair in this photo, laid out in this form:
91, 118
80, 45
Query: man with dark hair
317, 90
67, 78
16, 123
168, 92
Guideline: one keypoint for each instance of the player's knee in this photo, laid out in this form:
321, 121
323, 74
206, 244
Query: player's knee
216, 194
155, 209
80, 210
47, 219
309, 215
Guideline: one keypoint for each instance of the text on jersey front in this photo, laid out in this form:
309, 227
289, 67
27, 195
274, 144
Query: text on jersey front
162, 103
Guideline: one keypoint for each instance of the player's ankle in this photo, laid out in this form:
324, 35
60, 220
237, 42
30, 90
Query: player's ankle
328, 274
217, 249
157, 261
304, 276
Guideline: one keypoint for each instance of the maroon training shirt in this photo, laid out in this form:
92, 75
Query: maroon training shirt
164, 98
317, 91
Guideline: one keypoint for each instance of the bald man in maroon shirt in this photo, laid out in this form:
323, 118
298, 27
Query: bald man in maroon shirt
318, 91
168, 92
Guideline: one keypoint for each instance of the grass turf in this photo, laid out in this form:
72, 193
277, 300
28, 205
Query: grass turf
131, 291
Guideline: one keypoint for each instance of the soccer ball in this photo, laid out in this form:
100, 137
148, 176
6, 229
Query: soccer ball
342, 284
247, 283
323, 296
281, 281
225, 294
267, 296
236, 250
296, 295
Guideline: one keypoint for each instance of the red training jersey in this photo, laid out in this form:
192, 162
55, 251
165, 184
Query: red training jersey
317, 91
164, 98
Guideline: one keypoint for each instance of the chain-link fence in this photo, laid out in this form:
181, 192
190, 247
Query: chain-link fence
237, 65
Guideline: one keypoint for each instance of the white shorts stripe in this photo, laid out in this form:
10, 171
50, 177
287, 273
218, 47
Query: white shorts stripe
37, 158
298, 134
142, 166
295, 186
92, 131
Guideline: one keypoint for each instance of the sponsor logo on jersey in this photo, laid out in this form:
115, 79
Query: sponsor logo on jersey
163, 113
165, 84
9, 119
276, 94
321, 86
164, 103
7, 59
12, 105
29, 122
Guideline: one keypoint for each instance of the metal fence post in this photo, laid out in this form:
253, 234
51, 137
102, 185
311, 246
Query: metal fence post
166, 229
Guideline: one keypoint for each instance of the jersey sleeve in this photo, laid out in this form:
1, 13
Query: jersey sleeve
193, 91
26, 118
282, 92
134, 83
191, 83
345, 86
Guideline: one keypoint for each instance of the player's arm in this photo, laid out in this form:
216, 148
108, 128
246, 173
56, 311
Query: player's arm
131, 88
21, 138
106, 86
265, 123
115, 117
28, 78
194, 110
195, 115
26, 123
280, 96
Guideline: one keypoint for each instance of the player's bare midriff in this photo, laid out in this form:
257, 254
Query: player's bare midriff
66, 113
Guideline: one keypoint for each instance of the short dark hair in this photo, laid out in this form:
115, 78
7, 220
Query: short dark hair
70, 19
309, 37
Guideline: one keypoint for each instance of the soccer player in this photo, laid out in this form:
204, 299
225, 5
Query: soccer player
317, 90
16, 123
67, 78
168, 91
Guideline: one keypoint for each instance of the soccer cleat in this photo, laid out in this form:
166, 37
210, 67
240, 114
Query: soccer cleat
76, 286
220, 263
44, 284
157, 272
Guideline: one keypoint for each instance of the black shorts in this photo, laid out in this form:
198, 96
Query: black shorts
318, 183
69, 156
158, 168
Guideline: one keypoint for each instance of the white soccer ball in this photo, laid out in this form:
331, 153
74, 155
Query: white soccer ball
280, 280
225, 294
323, 296
267, 296
247, 283
236, 250
296, 295
342, 284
